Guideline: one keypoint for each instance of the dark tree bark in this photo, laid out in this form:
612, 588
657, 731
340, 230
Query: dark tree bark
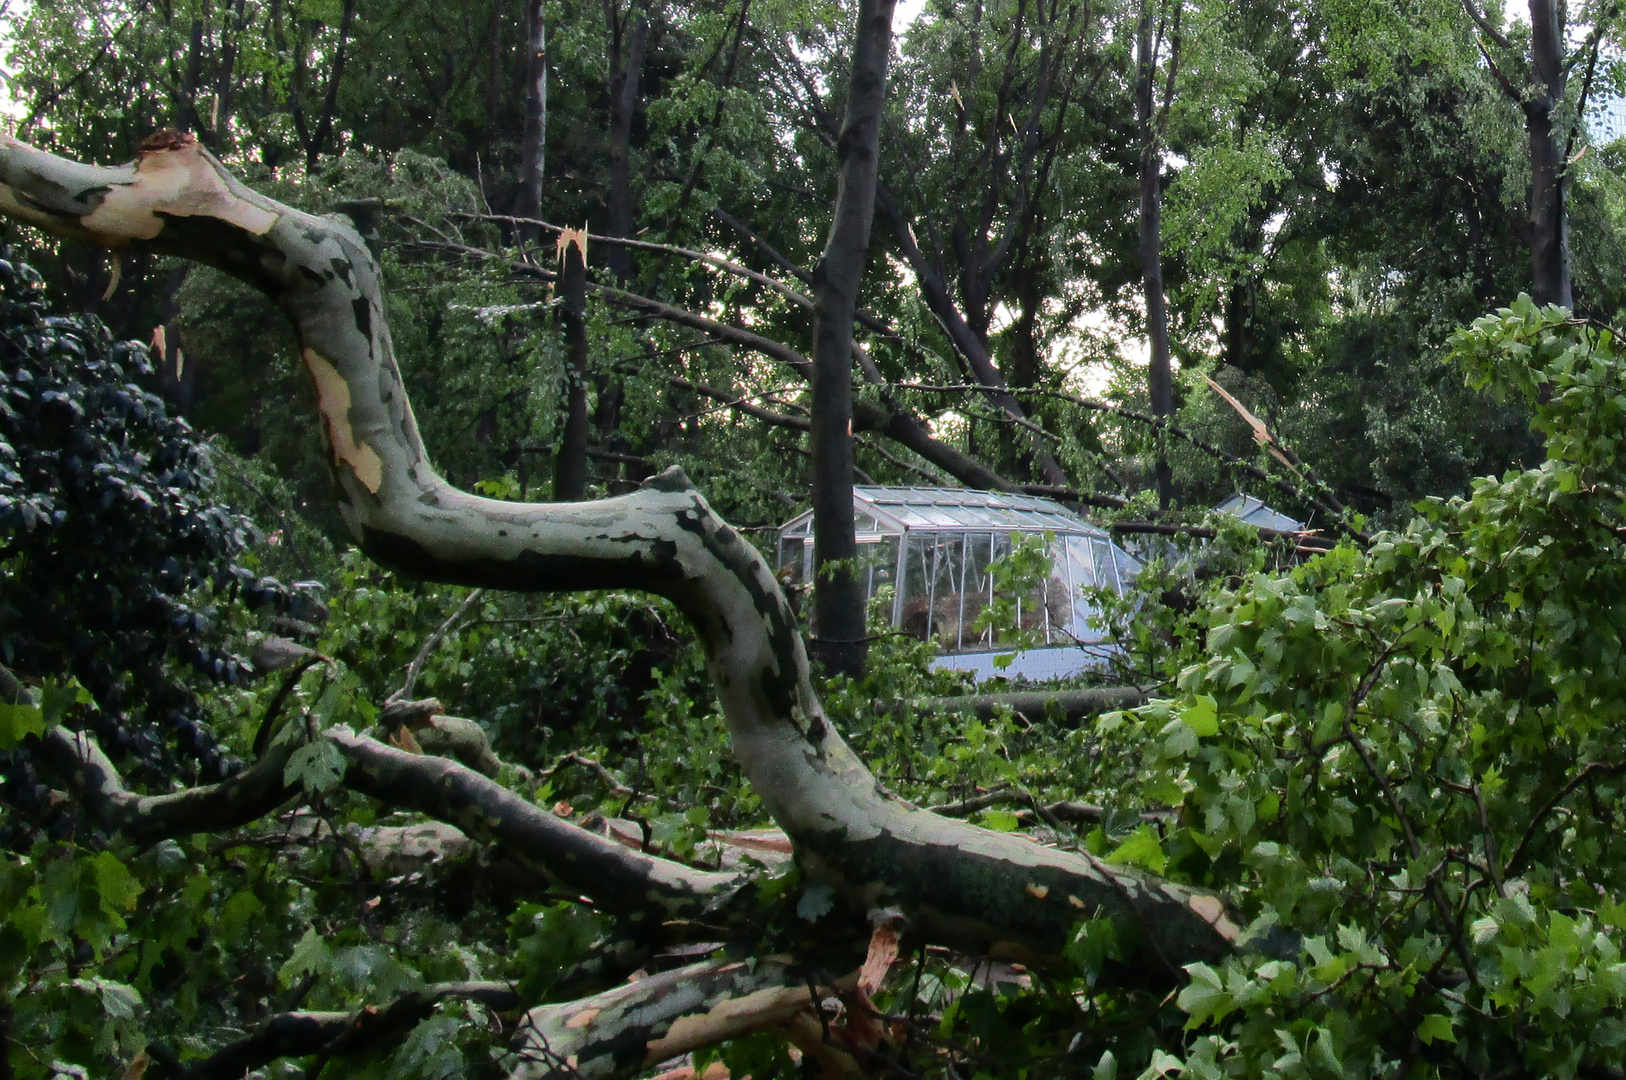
186, 109
838, 597
1538, 91
1549, 216
225, 84
967, 342
330, 102
627, 44
570, 467
533, 148
1159, 373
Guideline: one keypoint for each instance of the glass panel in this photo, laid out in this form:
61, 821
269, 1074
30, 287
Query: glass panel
1001, 549
878, 560
978, 588
1106, 566
1058, 595
917, 594
790, 560
948, 595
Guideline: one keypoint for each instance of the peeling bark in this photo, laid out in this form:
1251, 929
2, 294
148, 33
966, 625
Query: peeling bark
624, 1030
980, 891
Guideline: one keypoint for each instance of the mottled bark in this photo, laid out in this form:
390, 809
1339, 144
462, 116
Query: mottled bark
838, 597
596, 866
625, 1030
976, 890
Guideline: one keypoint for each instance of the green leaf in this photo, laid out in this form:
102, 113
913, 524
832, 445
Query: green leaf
57, 698
1106, 1068
1205, 996
115, 884
1000, 820
1094, 942
310, 956
1141, 848
1436, 1026
1163, 1064
18, 722
316, 767
1202, 716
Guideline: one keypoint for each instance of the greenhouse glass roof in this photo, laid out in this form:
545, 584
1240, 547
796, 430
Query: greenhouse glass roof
1255, 512
893, 510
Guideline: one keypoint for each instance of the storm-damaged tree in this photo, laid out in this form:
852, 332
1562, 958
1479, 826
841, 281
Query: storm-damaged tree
882, 863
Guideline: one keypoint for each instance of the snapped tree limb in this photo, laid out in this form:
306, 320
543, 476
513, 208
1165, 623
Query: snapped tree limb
969, 887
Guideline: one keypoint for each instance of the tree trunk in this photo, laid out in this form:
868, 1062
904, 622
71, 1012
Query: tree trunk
570, 468
220, 111
533, 147
330, 103
967, 343
838, 597
1549, 217
626, 72
186, 109
1159, 376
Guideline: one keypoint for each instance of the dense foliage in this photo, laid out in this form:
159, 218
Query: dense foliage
117, 556
1401, 761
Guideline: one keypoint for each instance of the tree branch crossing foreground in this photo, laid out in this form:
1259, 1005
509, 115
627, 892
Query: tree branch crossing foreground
951, 882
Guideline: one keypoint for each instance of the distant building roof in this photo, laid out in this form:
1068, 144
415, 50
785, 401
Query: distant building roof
892, 510
1255, 512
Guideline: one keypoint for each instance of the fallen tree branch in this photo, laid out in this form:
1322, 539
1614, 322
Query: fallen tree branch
968, 887
1302, 540
337, 1034
593, 865
1034, 706
623, 1031
432, 642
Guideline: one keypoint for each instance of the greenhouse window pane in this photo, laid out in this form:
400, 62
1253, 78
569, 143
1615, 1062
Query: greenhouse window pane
978, 588
917, 587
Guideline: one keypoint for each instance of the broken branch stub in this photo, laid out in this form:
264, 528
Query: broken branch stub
978, 890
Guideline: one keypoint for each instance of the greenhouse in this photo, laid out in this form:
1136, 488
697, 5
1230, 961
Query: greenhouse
943, 546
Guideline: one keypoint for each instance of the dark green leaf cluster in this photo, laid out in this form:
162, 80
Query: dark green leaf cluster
115, 554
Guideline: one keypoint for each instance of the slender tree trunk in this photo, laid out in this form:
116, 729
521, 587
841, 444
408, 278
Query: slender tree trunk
967, 343
220, 111
186, 109
838, 605
626, 72
533, 149
330, 104
570, 468
1549, 216
1160, 377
